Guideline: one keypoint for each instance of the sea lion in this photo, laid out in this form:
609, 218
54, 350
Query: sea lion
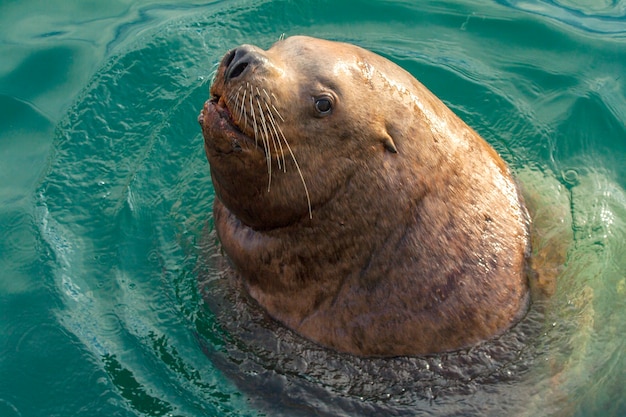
358, 209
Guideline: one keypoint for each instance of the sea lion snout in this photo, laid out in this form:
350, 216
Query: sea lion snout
241, 60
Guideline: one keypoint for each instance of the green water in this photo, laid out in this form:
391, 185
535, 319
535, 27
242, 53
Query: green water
105, 209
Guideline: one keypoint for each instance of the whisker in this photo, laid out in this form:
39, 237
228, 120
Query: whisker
213, 72
239, 111
295, 161
265, 141
275, 109
253, 117
269, 99
273, 124
265, 127
276, 137
255, 107
243, 110
262, 115
236, 107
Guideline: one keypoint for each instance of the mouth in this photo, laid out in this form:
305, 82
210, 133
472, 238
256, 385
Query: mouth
217, 120
219, 105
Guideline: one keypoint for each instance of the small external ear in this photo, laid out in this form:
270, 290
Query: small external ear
389, 144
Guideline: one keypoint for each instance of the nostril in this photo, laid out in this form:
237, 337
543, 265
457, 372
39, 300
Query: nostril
228, 59
240, 60
237, 70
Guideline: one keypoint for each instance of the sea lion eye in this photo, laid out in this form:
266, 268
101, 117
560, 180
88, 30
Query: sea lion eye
323, 105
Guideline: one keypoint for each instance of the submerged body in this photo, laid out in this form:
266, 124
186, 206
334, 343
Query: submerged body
358, 209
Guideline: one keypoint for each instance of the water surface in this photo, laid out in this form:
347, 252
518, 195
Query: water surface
106, 210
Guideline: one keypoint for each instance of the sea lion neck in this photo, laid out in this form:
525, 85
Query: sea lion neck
290, 276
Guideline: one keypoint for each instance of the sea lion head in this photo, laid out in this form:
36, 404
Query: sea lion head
358, 208
285, 127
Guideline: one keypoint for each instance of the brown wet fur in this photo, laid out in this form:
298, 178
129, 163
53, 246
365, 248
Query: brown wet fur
416, 238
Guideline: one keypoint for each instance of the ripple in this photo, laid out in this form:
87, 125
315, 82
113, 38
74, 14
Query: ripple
17, 244
7, 409
570, 177
110, 324
35, 340
604, 20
